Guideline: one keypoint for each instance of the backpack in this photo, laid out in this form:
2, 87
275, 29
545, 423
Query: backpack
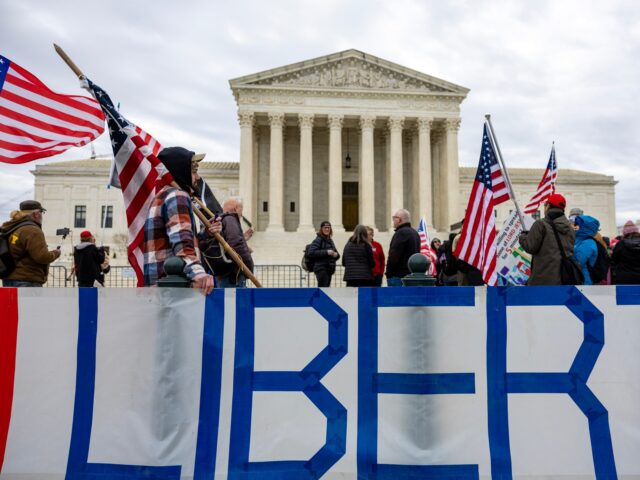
570, 270
307, 263
7, 262
598, 272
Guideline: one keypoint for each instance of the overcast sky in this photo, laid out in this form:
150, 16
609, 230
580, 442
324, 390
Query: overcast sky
546, 70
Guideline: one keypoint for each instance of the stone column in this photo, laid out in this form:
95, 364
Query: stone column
256, 173
335, 172
436, 159
452, 184
276, 174
387, 169
367, 177
306, 173
246, 120
395, 165
425, 202
414, 177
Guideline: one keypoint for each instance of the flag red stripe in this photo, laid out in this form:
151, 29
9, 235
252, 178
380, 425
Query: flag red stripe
18, 147
46, 110
140, 200
29, 157
130, 167
33, 114
40, 89
133, 261
12, 130
462, 246
8, 340
39, 124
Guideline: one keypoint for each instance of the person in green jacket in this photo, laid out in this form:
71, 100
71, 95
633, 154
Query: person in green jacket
541, 242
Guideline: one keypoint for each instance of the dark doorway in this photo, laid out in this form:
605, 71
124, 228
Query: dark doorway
350, 210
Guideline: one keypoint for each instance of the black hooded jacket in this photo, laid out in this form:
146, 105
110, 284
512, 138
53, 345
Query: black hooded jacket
178, 162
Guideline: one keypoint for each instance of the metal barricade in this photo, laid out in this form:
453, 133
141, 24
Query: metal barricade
120, 277
336, 279
58, 277
271, 276
278, 276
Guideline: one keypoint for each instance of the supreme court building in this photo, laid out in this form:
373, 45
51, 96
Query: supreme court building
348, 138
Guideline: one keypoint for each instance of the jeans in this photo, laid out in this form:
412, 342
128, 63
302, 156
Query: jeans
394, 282
232, 281
20, 283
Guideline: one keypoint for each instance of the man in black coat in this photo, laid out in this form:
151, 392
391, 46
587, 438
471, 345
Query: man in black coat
404, 243
88, 260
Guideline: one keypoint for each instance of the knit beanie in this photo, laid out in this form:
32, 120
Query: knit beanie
629, 228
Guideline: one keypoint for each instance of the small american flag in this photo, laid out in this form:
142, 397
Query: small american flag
425, 246
36, 122
547, 185
477, 243
139, 174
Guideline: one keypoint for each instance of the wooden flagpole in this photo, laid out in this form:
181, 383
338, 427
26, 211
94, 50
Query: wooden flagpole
68, 61
227, 248
223, 243
505, 173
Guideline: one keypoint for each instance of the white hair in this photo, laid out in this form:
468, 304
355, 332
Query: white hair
404, 215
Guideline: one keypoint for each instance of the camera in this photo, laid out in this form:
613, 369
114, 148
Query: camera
63, 231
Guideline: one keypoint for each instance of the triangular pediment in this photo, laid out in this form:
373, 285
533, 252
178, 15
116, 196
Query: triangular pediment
350, 69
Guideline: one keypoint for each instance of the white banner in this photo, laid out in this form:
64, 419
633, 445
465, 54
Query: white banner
375, 383
513, 263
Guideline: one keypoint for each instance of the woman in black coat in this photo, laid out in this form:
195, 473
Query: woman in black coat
625, 259
358, 260
324, 254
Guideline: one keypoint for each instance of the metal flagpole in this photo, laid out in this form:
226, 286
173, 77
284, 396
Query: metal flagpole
104, 221
505, 173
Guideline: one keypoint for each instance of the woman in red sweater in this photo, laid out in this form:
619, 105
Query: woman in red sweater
378, 256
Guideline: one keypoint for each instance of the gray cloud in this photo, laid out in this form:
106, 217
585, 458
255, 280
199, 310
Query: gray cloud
562, 71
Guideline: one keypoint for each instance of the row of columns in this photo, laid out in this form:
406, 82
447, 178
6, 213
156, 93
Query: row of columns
446, 176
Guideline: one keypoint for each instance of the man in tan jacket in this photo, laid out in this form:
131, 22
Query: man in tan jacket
28, 247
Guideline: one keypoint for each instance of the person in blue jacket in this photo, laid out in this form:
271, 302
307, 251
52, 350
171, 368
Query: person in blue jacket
585, 248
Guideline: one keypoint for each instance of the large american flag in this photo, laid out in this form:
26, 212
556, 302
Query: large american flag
139, 172
425, 246
547, 185
477, 243
36, 122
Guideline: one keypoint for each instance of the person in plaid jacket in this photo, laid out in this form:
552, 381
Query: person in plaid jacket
169, 229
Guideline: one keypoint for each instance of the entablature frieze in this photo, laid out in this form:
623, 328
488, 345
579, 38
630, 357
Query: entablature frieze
252, 99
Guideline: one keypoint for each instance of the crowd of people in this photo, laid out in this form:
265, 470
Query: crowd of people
557, 242
564, 249
362, 257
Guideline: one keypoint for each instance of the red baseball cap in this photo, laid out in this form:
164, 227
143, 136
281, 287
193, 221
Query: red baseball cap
557, 200
86, 234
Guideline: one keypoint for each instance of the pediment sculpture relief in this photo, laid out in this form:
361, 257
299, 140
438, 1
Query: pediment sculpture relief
351, 74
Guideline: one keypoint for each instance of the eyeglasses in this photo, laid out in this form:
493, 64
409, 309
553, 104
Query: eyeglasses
395, 216
326, 226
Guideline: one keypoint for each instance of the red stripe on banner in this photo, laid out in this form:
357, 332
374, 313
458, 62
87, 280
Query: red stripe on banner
8, 339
